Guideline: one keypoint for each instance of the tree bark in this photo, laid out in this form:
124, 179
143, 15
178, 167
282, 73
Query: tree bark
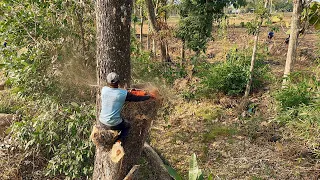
113, 18
113, 39
253, 59
292, 48
148, 37
140, 115
155, 28
156, 163
141, 26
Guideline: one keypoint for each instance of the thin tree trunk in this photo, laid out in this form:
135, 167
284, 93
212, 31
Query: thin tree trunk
253, 59
183, 51
79, 13
154, 50
141, 27
148, 37
134, 15
292, 48
155, 28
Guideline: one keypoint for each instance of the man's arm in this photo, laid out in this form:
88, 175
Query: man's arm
132, 97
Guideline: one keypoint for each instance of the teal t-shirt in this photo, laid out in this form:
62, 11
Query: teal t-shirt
112, 100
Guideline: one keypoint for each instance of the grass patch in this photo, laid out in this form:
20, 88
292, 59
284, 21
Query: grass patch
209, 113
219, 131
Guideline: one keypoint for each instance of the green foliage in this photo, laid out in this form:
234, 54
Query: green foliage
194, 172
173, 173
8, 103
209, 113
301, 111
312, 15
303, 125
61, 134
283, 5
231, 76
40, 37
44, 37
299, 90
242, 24
218, 131
195, 26
145, 69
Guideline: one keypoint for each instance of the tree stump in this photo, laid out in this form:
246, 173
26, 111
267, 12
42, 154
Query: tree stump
140, 116
102, 137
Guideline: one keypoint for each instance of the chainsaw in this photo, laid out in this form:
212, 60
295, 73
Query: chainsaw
142, 92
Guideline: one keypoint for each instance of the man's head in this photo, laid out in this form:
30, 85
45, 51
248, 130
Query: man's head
113, 79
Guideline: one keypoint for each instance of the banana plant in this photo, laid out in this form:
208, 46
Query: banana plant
194, 172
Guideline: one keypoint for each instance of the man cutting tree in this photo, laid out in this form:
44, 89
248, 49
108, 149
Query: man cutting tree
112, 101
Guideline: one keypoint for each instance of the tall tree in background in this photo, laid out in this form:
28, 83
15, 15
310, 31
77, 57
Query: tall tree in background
293, 42
305, 13
155, 27
195, 25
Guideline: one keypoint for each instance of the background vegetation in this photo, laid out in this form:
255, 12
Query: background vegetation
48, 68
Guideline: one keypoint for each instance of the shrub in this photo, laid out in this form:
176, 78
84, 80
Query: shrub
300, 103
232, 75
61, 135
242, 24
299, 90
145, 69
303, 125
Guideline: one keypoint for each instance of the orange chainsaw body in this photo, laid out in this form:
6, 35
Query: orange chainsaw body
141, 92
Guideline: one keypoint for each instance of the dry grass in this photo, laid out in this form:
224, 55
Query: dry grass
228, 146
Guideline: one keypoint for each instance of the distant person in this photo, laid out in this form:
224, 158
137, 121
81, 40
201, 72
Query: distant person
270, 35
5, 43
287, 40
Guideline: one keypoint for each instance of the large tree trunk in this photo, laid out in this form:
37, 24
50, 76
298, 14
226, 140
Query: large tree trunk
140, 115
292, 48
155, 28
113, 19
113, 39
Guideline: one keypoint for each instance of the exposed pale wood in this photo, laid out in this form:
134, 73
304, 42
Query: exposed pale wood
132, 172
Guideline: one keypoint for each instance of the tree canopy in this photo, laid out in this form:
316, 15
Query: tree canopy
195, 26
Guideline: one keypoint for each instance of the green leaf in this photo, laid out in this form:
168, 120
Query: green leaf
194, 171
173, 173
317, 25
74, 104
